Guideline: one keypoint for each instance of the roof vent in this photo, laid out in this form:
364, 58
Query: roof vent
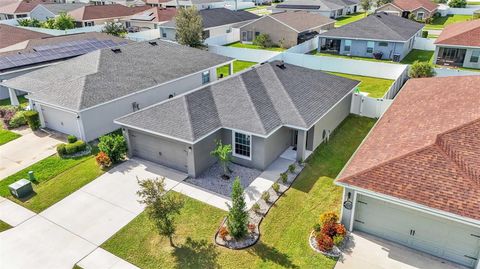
282, 66
153, 43
117, 50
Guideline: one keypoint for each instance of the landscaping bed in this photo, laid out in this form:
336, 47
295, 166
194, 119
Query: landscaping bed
284, 230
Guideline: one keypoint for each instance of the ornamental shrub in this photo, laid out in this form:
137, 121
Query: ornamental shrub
71, 139
61, 150
114, 146
9, 114
263, 40
266, 196
291, 168
340, 229
338, 240
317, 227
284, 177
328, 217
425, 33
237, 219
421, 70
75, 147
457, 3
329, 229
276, 186
256, 208
324, 242
223, 232
17, 120
5, 109
103, 160
33, 119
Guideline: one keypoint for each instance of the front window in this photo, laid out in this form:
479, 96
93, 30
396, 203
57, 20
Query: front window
242, 144
383, 44
348, 45
370, 45
205, 77
475, 56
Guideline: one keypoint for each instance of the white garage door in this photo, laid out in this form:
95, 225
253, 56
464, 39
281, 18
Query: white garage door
60, 121
159, 150
447, 239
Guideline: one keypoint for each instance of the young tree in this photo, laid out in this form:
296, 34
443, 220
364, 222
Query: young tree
114, 29
237, 219
114, 146
224, 154
189, 27
457, 3
263, 40
366, 5
421, 70
383, 2
161, 207
64, 21
49, 23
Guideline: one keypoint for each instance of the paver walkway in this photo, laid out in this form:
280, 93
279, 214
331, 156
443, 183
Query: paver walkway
368, 251
26, 150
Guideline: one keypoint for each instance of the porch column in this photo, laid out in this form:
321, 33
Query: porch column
127, 139
230, 69
13, 97
30, 104
301, 145
191, 161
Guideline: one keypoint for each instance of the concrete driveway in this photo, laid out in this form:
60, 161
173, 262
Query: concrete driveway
367, 251
68, 231
26, 150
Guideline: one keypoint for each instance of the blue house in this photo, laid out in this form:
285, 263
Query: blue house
380, 36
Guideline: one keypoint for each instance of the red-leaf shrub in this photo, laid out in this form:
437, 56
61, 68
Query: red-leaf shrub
328, 217
103, 160
251, 227
329, 229
223, 232
340, 229
324, 242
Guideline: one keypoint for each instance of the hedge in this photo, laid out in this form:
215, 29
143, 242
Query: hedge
71, 148
32, 118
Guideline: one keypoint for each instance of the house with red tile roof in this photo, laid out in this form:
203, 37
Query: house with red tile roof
100, 14
20, 8
459, 45
415, 179
422, 9
16, 35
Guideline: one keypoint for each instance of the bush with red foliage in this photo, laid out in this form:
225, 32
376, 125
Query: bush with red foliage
223, 232
340, 229
329, 229
103, 160
324, 242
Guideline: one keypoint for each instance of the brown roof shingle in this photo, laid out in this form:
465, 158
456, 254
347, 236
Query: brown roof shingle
301, 20
16, 35
462, 34
424, 148
411, 5
24, 6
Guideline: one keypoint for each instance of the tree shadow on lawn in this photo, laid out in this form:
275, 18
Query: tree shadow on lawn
269, 253
196, 254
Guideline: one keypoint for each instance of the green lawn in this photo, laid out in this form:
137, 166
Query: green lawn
349, 19
418, 55
257, 7
237, 67
285, 230
376, 87
440, 22
251, 46
21, 99
371, 59
4, 226
7, 136
56, 179
473, 3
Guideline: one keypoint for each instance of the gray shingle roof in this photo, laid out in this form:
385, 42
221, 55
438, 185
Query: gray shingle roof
219, 16
323, 5
378, 26
257, 101
58, 8
103, 75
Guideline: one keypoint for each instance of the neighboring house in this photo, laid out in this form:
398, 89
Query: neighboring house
100, 14
328, 8
16, 35
263, 112
287, 28
20, 9
198, 4
29, 55
389, 35
459, 45
156, 3
43, 12
82, 96
128, 3
216, 22
422, 9
149, 19
415, 180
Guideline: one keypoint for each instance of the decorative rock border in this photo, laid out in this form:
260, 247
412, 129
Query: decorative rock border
257, 217
334, 253
87, 151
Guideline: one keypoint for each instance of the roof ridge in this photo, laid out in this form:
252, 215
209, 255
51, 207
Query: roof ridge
456, 35
461, 170
251, 102
187, 111
391, 29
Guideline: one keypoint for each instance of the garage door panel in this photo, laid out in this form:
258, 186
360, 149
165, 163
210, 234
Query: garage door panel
59, 120
434, 235
159, 150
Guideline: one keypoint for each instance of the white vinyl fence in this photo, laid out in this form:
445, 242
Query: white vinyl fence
96, 28
144, 35
369, 107
449, 72
250, 55
424, 44
220, 40
305, 47
462, 11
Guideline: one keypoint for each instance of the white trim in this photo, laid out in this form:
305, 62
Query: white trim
439, 45
368, 39
412, 205
250, 146
352, 215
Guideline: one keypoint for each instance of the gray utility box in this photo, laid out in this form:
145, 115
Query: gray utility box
21, 188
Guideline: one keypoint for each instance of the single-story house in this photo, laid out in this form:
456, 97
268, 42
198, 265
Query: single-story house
415, 180
19, 9
128, 3
198, 4
100, 14
422, 9
82, 96
328, 8
149, 19
286, 28
29, 55
389, 36
216, 22
43, 12
261, 112
459, 45
156, 3
15, 36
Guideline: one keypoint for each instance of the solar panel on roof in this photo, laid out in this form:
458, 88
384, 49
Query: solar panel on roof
59, 51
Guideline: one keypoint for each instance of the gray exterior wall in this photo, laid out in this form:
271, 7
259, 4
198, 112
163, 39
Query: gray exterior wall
201, 154
359, 48
99, 120
167, 33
